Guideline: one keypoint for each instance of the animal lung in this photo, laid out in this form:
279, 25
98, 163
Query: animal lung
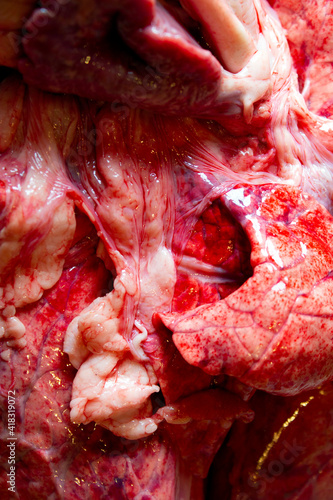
165, 244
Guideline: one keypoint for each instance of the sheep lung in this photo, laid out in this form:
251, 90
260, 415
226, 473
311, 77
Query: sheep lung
157, 268
265, 332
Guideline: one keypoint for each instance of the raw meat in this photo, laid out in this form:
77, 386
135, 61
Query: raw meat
165, 244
